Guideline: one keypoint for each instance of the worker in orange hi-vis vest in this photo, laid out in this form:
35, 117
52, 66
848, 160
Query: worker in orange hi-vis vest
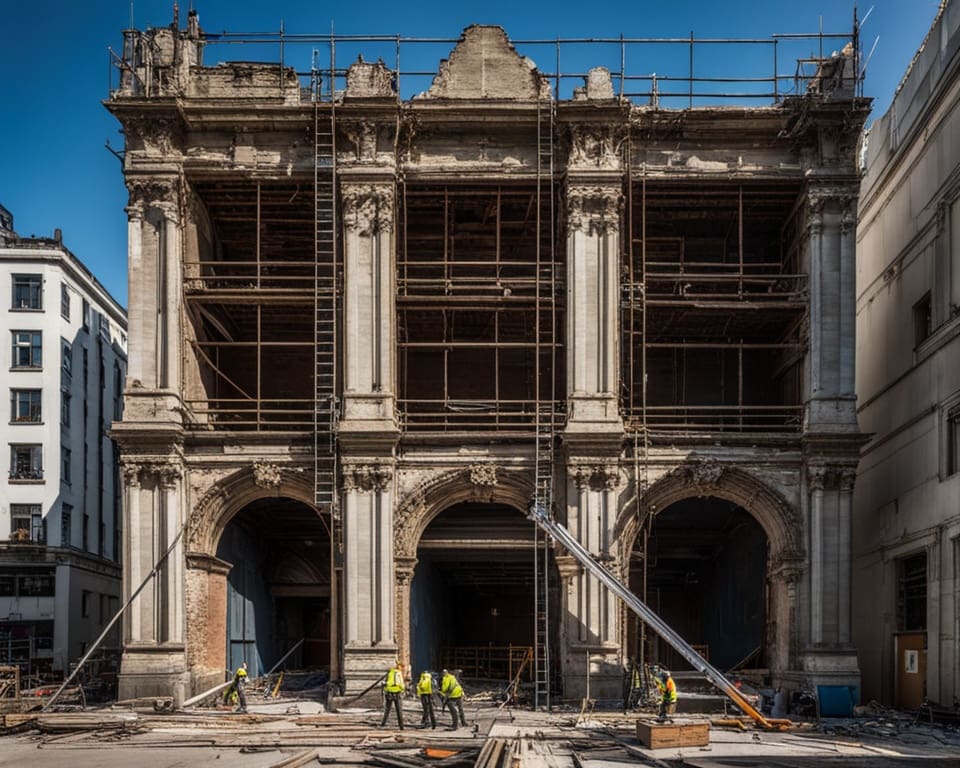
668, 696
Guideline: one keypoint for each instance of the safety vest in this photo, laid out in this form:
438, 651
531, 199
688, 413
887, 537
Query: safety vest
668, 690
394, 681
425, 684
450, 688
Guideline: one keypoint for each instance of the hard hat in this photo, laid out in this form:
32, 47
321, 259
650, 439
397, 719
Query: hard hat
242, 672
665, 674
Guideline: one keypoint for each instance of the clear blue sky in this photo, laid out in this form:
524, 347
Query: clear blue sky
56, 172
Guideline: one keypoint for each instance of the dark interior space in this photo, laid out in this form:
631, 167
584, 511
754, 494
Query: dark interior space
473, 592
476, 311
714, 304
278, 591
250, 292
706, 578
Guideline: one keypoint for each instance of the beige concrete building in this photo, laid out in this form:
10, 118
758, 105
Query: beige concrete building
370, 329
908, 373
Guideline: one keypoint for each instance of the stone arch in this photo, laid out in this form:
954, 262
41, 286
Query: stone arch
479, 482
226, 498
778, 518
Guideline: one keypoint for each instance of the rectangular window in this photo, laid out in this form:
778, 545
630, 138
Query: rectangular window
922, 319
26, 523
65, 408
86, 532
64, 301
36, 585
8, 585
66, 359
912, 593
27, 349
953, 440
27, 292
86, 315
65, 463
25, 406
105, 328
26, 462
66, 524
117, 392
85, 597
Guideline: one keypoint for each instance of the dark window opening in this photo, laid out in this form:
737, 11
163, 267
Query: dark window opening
912, 593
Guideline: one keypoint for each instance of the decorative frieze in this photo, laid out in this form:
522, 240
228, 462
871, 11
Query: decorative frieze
595, 146
363, 136
367, 478
595, 477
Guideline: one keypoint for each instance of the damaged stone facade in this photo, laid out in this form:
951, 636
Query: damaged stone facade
448, 366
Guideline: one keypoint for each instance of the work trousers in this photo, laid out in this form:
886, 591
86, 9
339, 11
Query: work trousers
667, 708
456, 709
392, 699
426, 701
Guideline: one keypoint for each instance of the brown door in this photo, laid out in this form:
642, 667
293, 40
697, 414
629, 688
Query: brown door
911, 650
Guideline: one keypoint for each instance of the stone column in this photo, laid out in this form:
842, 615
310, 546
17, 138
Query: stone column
593, 611
593, 258
369, 375
784, 574
133, 567
154, 655
370, 638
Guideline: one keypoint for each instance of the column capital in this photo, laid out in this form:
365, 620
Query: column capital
593, 208
367, 477
367, 208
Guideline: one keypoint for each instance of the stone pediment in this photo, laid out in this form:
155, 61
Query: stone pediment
485, 65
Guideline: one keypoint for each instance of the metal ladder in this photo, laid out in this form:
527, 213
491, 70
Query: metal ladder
326, 406
658, 625
545, 394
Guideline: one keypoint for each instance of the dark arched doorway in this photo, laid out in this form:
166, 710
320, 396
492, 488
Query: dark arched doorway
702, 569
278, 589
473, 597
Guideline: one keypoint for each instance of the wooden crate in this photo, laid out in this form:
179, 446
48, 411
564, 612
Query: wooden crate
660, 735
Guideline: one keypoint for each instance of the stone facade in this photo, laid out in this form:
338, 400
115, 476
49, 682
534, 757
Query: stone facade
480, 123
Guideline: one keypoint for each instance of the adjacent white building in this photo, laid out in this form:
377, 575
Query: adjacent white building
907, 500
66, 357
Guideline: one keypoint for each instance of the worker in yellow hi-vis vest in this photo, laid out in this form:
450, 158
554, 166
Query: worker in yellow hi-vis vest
425, 692
393, 693
668, 696
452, 694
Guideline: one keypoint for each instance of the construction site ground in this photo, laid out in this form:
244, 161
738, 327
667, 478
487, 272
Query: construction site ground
297, 732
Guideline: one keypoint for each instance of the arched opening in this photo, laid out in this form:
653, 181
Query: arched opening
278, 589
473, 602
702, 569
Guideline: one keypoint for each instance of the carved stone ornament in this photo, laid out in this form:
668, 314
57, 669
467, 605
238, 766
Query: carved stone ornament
817, 477
152, 135
131, 473
367, 478
483, 474
363, 135
704, 476
595, 146
367, 209
595, 477
596, 209
406, 524
152, 191
266, 475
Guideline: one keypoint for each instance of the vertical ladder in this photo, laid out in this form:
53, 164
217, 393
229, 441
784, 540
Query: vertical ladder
545, 383
325, 302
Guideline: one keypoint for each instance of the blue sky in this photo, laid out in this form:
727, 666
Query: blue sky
56, 171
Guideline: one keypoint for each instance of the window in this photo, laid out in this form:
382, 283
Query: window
64, 301
66, 363
953, 440
65, 462
105, 328
27, 523
26, 462
65, 399
117, 392
912, 593
86, 315
25, 406
922, 320
36, 585
85, 597
27, 349
86, 532
27, 292
66, 524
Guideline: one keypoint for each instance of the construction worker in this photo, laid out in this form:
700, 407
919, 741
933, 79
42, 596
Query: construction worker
451, 693
425, 692
668, 696
236, 691
393, 692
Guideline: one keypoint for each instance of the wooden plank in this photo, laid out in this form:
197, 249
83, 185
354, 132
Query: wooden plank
662, 735
295, 761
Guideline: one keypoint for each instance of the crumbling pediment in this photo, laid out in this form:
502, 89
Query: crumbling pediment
485, 65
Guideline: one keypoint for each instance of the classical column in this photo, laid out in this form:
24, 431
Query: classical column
370, 640
816, 479
368, 307
593, 253
132, 552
